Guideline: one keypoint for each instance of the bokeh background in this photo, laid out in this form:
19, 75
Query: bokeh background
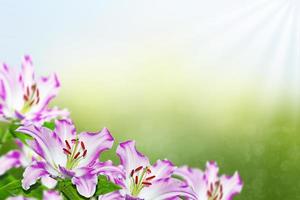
189, 80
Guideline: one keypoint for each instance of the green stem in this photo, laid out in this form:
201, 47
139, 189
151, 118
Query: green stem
4, 138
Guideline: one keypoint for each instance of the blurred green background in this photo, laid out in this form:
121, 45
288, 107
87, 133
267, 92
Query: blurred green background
189, 80
186, 127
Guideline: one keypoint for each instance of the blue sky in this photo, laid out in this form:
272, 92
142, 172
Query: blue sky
245, 42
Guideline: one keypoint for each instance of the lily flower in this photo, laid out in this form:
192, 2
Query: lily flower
24, 98
208, 185
142, 181
47, 195
23, 157
66, 154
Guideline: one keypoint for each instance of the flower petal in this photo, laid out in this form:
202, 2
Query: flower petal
232, 185
195, 179
52, 195
66, 172
211, 171
130, 158
95, 143
46, 115
48, 89
46, 143
65, 129
163, 169
107, 168
165, 189
32, 173
86, 185
10, 160
48, 181
27, 71
111, 196
11, 93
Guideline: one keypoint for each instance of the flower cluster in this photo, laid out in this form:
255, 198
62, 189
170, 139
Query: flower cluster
53, 155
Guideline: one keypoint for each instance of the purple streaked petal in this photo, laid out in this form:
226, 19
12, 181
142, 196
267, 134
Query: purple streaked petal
47, 144
195, 179
116, 174
48, 89
86, 185
19, 115
46, 115
36, 147
52, 195
2, 90
11, 92
95, 144
165, 189
33, 173
65, 129
27, 71
65, 172
211, 172
111, 196
107, 168
49, 182
10, 160
232, 185
128, 197
130, 158
163, 169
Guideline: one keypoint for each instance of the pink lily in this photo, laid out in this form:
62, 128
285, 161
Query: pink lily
208, 185
25, 98
141, 180
66, 154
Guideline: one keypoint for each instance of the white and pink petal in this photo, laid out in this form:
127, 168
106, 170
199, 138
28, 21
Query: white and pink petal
166, 189
111, 196
195, 179
10, 160
46, 143
95, 144
33, 173
52, 195
86, 185
232, 185
163, 169
130, 158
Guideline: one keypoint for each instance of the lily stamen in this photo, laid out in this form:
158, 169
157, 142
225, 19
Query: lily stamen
74, 152
31, 97
140, 179
215, 191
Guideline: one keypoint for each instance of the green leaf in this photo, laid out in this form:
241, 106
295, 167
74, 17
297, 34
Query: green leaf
69, 190
10, 185
105, 186
50, 125
10, 189
21, 136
